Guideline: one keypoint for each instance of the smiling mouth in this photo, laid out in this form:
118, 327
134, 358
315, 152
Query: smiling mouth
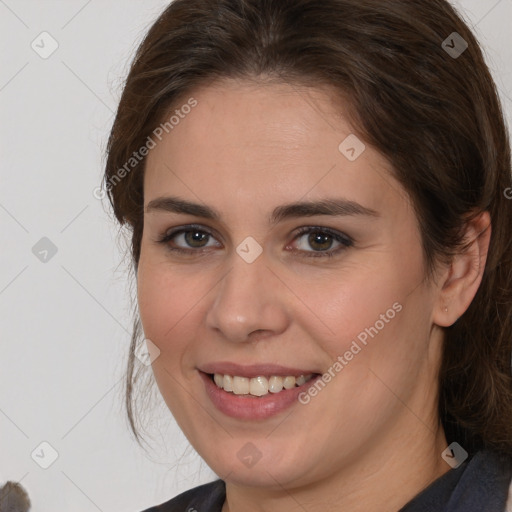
259, 386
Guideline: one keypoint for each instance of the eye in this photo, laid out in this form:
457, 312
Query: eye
194, 238
321, 240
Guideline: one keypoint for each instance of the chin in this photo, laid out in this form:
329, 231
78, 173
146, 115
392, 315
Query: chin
253, 469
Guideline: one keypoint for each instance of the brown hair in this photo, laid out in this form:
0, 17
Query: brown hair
436, 116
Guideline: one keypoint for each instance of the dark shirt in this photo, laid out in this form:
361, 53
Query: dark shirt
480, 484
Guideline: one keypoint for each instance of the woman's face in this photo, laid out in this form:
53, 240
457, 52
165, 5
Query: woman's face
254, 297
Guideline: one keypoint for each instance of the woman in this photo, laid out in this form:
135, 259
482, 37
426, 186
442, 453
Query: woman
317, 197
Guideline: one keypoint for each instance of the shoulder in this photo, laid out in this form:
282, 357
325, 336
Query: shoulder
485, 483
204, 498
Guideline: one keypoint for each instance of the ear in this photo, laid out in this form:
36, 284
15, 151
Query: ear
460, 282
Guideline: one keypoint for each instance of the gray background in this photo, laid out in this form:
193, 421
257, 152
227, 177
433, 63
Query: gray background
65, 322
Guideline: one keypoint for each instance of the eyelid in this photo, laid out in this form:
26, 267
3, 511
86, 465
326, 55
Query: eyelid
343, 239
189, 227
171, 233
323, 229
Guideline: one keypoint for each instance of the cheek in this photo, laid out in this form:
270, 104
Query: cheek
374, 325
165, 299
381, 336
348, 306
168, 300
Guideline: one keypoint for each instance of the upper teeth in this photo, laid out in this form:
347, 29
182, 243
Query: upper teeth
258, 386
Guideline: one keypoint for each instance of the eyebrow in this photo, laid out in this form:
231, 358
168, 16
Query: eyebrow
331, 207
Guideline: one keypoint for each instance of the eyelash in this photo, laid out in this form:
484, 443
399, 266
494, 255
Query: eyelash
343, 239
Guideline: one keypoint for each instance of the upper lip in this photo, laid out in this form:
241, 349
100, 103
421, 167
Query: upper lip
252, 370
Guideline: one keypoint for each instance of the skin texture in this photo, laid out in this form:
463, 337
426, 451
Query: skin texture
370, 439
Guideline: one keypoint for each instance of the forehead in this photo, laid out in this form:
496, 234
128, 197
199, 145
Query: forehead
242, 114
258, 141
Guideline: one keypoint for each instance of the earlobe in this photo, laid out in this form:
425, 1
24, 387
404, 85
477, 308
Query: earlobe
464, 275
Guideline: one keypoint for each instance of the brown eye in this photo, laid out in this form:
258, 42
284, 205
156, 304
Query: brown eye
187, 240
321, 241
193, 237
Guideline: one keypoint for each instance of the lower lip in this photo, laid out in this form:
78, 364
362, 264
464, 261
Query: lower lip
248, 407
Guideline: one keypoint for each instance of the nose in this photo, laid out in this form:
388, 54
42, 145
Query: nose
249, 302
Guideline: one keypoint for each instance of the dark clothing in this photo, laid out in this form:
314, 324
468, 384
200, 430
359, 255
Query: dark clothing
480, 484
